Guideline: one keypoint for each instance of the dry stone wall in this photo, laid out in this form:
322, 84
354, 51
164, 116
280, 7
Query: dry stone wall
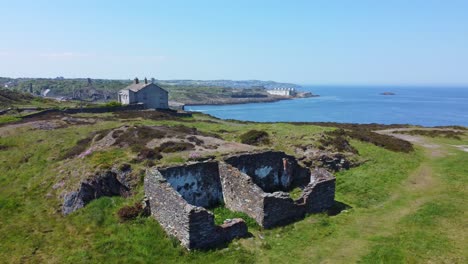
272, 170
193, 225
253, 183
257, 184
199, 183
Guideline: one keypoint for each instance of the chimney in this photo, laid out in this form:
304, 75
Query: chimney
136, 80
146, 81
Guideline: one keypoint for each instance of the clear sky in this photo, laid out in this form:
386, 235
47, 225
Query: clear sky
308, 42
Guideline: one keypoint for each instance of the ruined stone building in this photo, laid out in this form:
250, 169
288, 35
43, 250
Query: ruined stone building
282, 91
147, 93
254, 183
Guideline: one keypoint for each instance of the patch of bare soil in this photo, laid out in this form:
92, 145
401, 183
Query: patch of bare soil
435, 150
203, 145
160, 140
46, 122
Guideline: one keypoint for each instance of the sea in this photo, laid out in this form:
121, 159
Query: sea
425, 106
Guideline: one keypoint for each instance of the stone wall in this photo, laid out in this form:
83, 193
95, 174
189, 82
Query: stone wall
240, 193
255, 184
199, 183
319, 194
98, 110
272, 170
178, 194
193, 225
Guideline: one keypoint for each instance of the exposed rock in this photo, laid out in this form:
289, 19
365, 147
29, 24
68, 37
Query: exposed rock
331, 161
102, 184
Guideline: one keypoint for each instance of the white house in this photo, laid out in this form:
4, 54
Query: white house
147, 93
282, 91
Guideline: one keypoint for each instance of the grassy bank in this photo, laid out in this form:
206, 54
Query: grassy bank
398, 207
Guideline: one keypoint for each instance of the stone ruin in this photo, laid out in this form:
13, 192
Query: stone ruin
254, 183
177, 197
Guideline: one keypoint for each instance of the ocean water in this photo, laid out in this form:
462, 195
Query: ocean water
426, 106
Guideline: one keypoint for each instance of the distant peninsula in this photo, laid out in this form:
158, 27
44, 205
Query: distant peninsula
181, 92
387, 93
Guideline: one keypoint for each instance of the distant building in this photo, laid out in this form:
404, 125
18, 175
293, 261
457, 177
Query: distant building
282, 91
147, 93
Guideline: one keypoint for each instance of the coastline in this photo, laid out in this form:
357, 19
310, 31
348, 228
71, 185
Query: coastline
234, 101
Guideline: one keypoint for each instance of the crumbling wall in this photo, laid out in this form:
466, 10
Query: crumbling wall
107, 183
240, 193
177, 194
319, 194
272, 170
199, 183
250, 193
193, 225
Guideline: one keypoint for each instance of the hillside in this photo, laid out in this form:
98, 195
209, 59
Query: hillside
181, 91
17, 99
396, 202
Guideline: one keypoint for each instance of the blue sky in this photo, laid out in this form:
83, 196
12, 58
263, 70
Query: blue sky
310, 42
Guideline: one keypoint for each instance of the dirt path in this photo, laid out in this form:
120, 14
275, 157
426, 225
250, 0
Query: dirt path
383, 220
435, 150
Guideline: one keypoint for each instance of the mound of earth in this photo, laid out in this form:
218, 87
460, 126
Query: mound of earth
331, 161
159, 139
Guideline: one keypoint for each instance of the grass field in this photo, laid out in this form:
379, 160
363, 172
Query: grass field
399, 207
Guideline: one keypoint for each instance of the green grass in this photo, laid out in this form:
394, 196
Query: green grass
8, 119
374, 181
221, 213
391, 218
295, 193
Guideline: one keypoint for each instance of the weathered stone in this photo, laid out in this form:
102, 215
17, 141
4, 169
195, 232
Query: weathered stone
198, 183
254, 183
260, 195
103, 184
176, 195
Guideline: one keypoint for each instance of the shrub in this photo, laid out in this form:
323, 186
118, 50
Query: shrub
149, 154
433, 133
337, 141
195, 140
127, 213
113, 104
387, 142
384, 141
136, 137
171, 146
255, 137
152, 115
79, 147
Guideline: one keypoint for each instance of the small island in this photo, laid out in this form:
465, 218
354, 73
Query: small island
387, 93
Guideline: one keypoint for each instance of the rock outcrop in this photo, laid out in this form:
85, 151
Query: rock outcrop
107, 183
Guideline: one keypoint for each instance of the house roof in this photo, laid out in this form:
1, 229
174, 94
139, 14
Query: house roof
135, 87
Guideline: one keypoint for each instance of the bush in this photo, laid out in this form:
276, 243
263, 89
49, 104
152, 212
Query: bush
149, 154
113, 104
255, 137
136, 137
171, 146
128, 213
79, 147
337, 141
384, 141
195, 140
433, 133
